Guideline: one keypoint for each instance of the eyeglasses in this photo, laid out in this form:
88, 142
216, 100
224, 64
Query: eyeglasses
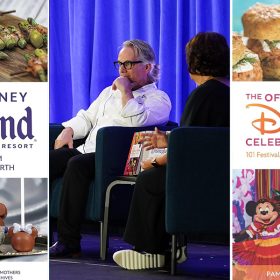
127, 64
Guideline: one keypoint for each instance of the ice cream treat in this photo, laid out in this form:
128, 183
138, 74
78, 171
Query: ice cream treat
23, 238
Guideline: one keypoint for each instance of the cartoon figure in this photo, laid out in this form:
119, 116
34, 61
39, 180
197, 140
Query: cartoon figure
262, 245
243, 187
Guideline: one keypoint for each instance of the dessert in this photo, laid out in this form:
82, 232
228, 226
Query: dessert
22, 238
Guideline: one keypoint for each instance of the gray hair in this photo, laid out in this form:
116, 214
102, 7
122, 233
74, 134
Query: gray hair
145, 53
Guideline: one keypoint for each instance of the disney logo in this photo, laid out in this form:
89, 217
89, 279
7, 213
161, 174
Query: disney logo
263, 121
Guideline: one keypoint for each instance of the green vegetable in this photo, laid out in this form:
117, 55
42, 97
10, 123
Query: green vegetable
10, 43
22, 43
42, 75
36, 39
244, 60
39, 52
2, 45
272, 44
27, 57
3, 56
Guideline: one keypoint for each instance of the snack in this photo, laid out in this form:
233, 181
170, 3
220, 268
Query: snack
21, 42
261, 24
22, 239
34, 33
3, 213
8, 40
43, 56
246, 64
35, 66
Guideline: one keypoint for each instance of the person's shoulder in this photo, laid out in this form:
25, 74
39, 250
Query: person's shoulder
153, 89
106, 91
214, 86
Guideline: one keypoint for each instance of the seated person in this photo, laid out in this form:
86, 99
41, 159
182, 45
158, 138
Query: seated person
207, 57
132, 100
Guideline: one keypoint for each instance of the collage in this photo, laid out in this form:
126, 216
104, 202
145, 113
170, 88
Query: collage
139, 139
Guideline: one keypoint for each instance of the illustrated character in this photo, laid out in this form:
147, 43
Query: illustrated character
266, 220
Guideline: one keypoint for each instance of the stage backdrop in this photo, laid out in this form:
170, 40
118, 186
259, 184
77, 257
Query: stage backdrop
85, 37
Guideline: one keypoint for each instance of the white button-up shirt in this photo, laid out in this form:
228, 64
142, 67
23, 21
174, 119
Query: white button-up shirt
150, 106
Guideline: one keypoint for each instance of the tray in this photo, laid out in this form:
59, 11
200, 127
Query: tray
41, 247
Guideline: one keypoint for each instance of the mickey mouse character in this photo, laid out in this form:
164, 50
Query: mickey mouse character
262, 236
266, 220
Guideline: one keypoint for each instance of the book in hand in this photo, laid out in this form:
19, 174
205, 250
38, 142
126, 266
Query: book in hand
153, 153
137, 154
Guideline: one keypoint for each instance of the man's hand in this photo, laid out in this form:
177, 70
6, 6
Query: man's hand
64, 138
157, 139
125, 86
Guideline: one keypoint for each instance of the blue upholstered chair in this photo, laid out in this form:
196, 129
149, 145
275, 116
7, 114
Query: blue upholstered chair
112, 149
198, 186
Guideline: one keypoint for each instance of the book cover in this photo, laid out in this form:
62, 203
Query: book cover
132, 166
24, 137
137, 154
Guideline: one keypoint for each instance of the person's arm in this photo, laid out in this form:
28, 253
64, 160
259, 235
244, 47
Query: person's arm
150, 108
156, 139
160, 161
65, 138
82, 123
125, 86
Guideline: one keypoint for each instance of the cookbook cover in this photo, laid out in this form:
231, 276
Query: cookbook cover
255, 140
24, 117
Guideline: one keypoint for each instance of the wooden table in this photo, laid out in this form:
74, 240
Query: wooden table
16, 62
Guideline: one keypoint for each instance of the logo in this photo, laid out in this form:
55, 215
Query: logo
266, 125
12, 128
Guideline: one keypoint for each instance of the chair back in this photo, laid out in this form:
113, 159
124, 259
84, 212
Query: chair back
198, 184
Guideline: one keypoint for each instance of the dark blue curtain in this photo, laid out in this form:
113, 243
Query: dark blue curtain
85, 36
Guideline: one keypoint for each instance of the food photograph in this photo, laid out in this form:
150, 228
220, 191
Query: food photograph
257, 26
23, 219
23, 43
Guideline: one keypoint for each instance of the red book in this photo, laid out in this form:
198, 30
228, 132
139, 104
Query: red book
132, 166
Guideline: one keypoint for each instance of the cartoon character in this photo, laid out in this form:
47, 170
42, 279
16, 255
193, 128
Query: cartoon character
266, 220
262, 236
243, 191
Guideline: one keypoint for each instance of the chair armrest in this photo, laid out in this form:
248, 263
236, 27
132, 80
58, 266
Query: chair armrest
54, 130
